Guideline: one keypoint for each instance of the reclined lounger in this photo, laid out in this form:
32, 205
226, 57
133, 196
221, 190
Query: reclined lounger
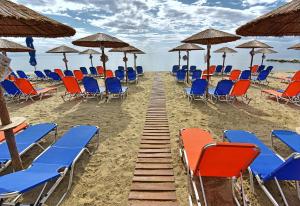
52, 165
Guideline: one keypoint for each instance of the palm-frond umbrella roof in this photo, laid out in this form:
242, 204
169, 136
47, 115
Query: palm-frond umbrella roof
266, 51
295, 47
211, 36
10, 46
225, 50
100, 40
18, 21
63, 49
129, 49
89, 51
253, 44
186, 47
283, 21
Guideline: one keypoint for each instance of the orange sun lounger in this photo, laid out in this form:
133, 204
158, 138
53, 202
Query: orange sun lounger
296, 77
72, 88
240, 89
15, 130
235, 74
78, 75
203, 157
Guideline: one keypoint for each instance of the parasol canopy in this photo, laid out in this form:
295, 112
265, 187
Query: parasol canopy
63, 49
10, 46
295, 47
224, 50
89, 51
253, 44
265, 51
283, 21
187, 47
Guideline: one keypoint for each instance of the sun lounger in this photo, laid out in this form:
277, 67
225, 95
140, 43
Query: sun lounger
78, 75
52, 166
132, 77
73, 90
196, 75
290, 94
121, 68
40, 75
222, 90
13, 92
295, 77
181, 75
109, 73
219, 69
15, 130
197, 91
234, 75
260, 68
84, 70
68, 73
240, 89
245, 74
92, 88
100, 71
120, 74
140, 70
193, 68
59, 72
22, 74
203, 157
269, 68
130, 69
47, 72
254, 69
175, 69
288, 137
268, 165
29, 92
262, 77
93, 71
115, 89
55, 77
25, 140
227, 69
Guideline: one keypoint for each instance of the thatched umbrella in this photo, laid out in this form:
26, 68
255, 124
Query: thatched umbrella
265, 51
10, 46
90, 52
125, 50
283, 21
209, 37
179, 56
135, 56
295, 47
63, 49
19, 21
101, 41
187, 47
224, 50
253, 45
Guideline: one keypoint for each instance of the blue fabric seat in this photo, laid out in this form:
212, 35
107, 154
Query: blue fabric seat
40, 74
120, 74
175, 68
68, 73
47, 72
11, 89
290, 138
228, 69
196, 74
132, 75
245, 74
54, 76
262, 77
93, 71
115, 88
181, 75
91, 86
198, 90
22, 74
222, 89
140, 70
84, 70
219, 69
121, 68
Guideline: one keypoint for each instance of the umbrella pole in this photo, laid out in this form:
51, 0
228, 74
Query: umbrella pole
104, 67
134, 57
125, 61
9, 135
262, 59
179, 57
65, 60
223, 66
208, 65
91, 57
187, 63
251, 62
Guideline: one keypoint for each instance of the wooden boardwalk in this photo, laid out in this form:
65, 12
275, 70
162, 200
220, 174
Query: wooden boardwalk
153, 183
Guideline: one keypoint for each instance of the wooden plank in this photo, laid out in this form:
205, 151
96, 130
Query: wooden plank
158, 172
153, 166
165, 150
154, 146
155, 142
155, 155
154, 160
155, 137
134, 195
153, 179
137, 186
152, 203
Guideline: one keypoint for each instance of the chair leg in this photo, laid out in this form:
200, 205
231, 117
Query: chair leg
281, 192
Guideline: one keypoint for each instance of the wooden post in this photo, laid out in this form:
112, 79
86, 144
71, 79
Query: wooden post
179, 57
224, 57
65, 60
187, 63
135, 57
104, 67
91, 58
125, 61
262, 59
251, 62
208, 65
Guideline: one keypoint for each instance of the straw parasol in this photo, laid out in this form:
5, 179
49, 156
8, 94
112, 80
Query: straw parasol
90, 52
209, 37
186, 47
265, 51
224, 50
101, 41
283, 21
135, 56
125, 50
10, 46
63, 49
295, 47
179, 55
19, 21
253, 45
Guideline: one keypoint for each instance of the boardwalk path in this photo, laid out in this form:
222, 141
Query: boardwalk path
153, 183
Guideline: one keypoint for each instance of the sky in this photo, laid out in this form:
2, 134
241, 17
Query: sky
154, 26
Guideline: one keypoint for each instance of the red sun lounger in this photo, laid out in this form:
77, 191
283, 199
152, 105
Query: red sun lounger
73, 90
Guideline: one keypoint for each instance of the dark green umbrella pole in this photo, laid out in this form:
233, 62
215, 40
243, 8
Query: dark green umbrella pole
208, 65
125, 61
223, 66
251, 62
65, 60
187, 63
103, 59
179, 57
262, 58
91, 58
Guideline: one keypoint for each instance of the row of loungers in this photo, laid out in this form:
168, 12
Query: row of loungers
49, 168
203, 157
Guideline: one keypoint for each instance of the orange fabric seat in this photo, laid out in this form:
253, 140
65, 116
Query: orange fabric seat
15, 130
78, 75
296, 77
109, 73
100, 70
254, 68
235, 74
240, 88
59, 72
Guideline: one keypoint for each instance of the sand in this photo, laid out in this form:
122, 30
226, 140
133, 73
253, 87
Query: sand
104, 178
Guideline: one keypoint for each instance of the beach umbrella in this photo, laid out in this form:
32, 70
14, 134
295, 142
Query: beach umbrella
253, 45
32, 60
101, 41
135, 56
125, 50
283, 21
224, 50
187, 47
90, 52
179, 56
210, 37
295, 47
64, 50
264, 52
19, 21
10, 46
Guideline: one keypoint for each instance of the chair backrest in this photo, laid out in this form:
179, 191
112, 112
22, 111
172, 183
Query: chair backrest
129, 69
245, 74
71, 85
180, 75
120, 74
22, 74
225, 159
184, 67
100, 70
78, 75
68, 73
254, 68
121, 68
109, 73
13, 74
228, 69
175, 69
219, 69
197, 74
93, 71
296, 76
25, 86
59, 72
199, 87
234, 75
139, 69
223, 87
10, 87
260, 68
212, 69
39, 74
84, 70
113, 85
263, 75
240, 88
269, 68
193, 68
54, 76
292, 90
91, 85
131, 75
47, 72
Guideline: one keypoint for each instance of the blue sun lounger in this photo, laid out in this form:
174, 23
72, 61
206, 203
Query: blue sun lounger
120, 74
25, 140
227, 69
196, 75
175, 69
139, 70
93, 71
52, 165
268, 165
68, 73
13, 92
288, 137
245, 74
84, 70
132, 77
40, 75
197, 91
92, 88
55, 77
219, 69
181, 75
22, 74
115, 89
262, 77
222, 90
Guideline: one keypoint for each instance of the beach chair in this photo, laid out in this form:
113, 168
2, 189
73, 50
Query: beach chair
221, 92
185, 67
100, 70
268, 166
295, 77
115, 89
193, 68
234, 75
16, 130
245, 74
93, 71
92, 88
254, 69
290, 94
84, 70
121, 68
55, 77
196, 75
47, 72
40, 75
68, 73
109, 73
13, 92
203, 157
175, 69
120, 74
25, 140
140, 70
59, 72
212, 69
29, 92
78, 75
181, 75
269, 68
197, 91
73, 90
260, 68
262, 77
240, 89
22, 74
227, 69
132, 77
288, 137
49, 169
219, 69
